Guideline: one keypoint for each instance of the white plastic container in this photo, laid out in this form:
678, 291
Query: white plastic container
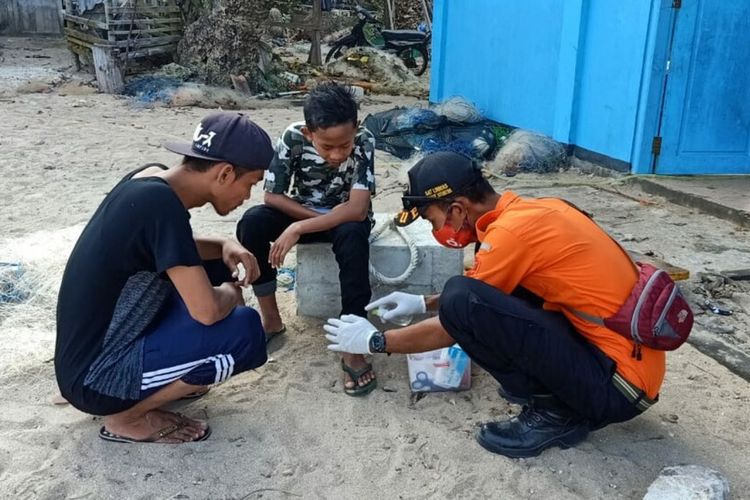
447, 369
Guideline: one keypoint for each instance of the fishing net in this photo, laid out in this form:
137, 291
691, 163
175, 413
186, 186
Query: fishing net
30, 279
526, 151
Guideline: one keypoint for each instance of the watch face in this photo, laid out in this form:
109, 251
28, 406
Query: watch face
377, 342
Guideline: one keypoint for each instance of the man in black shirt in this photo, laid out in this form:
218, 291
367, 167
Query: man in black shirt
149, 314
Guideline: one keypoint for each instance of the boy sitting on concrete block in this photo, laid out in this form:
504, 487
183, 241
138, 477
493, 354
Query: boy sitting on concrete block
318, 189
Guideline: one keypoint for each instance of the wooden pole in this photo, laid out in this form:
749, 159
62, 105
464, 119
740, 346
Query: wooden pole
389, 14
427, 15
316, 59
69, 11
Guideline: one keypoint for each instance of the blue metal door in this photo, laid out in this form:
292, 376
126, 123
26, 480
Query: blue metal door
705, 122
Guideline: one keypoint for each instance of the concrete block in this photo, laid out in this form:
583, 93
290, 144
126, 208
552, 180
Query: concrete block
317, 279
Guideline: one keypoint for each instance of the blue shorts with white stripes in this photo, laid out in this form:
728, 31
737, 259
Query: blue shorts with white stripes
179, 348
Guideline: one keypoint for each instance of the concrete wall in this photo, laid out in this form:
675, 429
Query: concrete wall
21, 17
570, 69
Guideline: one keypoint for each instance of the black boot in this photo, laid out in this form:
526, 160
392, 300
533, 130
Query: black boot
544, 423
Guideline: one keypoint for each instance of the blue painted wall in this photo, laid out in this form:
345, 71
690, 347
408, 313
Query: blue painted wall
571, 69
609, 76
494, 51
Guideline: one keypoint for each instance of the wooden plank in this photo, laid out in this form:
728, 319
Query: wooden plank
151, 51
107, 17
144, 10
93, 23
146, 42
122, 44
93, 40
134, 31
737, 274
78, 42
108, 74
146, 20
676, 273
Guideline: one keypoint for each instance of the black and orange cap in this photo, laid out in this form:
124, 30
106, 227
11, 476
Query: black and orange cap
435, 177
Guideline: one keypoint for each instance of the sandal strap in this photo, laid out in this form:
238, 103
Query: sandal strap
165, 432
356, 374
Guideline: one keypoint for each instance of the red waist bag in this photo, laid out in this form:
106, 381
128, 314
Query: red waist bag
655, 314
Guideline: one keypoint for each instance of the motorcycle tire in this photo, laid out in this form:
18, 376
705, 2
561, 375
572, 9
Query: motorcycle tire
416, 65
335, 51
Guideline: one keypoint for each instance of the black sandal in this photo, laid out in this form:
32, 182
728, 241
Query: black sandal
358, 390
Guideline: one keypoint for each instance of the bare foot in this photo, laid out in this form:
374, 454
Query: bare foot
356, 362
269, 313
273, 325
148, 425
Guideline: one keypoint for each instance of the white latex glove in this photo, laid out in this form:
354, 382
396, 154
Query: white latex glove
350, 334
399, 304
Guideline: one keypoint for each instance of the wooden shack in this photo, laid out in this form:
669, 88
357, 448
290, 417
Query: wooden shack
30, 17
114, 33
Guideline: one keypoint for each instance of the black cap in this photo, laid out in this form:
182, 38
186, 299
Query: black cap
229, 137
435, 177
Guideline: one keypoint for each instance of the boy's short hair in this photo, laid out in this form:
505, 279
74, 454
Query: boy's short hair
329, 104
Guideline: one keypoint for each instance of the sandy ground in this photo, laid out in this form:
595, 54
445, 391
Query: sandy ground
286, 430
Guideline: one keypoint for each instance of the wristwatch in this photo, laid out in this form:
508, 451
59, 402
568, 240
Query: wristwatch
377, 342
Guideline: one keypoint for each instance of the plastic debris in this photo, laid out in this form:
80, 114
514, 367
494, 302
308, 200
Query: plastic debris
286, 277
406, 131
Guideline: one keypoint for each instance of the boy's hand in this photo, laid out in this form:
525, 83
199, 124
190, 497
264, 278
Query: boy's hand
233, 254
282, 245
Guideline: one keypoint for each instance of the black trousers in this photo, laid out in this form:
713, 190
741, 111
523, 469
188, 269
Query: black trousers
261, 225
532, 351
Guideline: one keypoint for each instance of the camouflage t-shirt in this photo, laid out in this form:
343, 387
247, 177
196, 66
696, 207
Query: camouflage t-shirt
313, 182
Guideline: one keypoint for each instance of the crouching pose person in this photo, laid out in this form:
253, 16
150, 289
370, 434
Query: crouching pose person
147, 314
542, 268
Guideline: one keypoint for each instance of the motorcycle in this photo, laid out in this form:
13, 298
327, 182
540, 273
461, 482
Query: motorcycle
409, 45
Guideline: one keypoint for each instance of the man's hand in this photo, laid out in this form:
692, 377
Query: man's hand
399, 304
282, 245
233, 254
349, 334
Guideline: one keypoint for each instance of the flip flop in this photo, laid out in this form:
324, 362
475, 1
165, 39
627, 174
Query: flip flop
195, 395
153, 438
270, 335
359, 390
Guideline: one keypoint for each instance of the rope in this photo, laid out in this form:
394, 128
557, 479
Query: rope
413, 254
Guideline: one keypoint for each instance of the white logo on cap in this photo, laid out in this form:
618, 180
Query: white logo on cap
206, 139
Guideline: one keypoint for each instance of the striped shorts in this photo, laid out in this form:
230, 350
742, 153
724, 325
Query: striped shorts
179, 348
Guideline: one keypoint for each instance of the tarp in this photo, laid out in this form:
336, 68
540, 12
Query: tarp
84, 5
405, 131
